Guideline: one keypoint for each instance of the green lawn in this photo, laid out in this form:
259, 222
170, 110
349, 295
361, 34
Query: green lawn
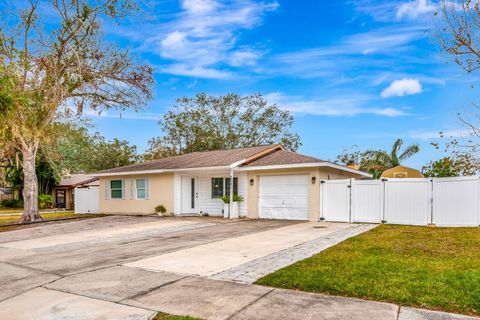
9, 219
433, 268
164, 316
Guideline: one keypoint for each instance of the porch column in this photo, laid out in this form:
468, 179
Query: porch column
230, 207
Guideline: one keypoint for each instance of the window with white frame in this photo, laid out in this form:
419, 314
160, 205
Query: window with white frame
141, 186
221, 187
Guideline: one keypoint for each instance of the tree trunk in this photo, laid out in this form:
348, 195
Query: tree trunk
30, 185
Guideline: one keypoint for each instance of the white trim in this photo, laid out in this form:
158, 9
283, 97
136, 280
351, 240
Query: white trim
306, 165
236, 164
125, 173
268, 167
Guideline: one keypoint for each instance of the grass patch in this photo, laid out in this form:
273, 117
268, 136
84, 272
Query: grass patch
50, 216
433, 268
164, 316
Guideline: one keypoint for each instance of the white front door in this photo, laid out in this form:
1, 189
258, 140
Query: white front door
283, 197
189, 194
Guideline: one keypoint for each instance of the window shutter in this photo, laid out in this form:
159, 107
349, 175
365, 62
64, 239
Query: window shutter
123, 189
132, 193
106, 188
147, 188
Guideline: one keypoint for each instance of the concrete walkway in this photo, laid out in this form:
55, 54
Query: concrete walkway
121, 274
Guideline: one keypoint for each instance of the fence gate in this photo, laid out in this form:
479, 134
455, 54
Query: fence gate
367, 201
408, 201
87, 200
456, 201
335, 200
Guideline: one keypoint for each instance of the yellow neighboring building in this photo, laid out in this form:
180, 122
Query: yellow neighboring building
402, 172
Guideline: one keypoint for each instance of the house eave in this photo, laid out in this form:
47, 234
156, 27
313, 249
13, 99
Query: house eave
306, 165
139, 172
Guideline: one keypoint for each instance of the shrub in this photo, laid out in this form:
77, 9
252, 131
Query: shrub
236, 198
226, 199
45, 201
160, 209
11, 203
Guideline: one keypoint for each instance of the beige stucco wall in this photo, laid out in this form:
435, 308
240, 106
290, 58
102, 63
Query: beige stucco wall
314, 189
161, 192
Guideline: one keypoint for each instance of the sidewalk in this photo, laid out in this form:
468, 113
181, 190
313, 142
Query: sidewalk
121, 292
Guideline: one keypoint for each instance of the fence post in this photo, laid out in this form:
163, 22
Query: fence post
431, 201
478, 200
384, 220
350, 201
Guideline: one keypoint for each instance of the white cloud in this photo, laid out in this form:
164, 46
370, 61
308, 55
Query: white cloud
414, 9
199, 6
194, 71
405, 86
204, 35
244, 58
349, 55
336, 106
430, 135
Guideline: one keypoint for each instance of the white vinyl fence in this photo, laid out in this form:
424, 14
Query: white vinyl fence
443, 201
87, 200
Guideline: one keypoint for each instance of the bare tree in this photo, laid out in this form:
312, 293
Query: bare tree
459, 36
460, 32
54, 61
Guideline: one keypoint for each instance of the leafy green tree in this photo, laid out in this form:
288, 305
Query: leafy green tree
445, 167
75, 149
231, 121
59, 68
159, 148
393, 158
377, 161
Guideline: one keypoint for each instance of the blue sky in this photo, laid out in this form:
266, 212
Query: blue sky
352, 72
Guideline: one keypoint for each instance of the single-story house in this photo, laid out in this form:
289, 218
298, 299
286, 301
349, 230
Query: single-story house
402, 172
274, 183
63, 193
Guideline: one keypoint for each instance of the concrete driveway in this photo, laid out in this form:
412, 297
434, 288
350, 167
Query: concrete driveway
121, 267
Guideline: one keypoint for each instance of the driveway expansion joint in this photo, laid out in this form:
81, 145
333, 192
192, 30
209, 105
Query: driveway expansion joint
251, 303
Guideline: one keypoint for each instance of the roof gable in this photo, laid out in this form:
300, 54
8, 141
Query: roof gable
283, 157
218, 158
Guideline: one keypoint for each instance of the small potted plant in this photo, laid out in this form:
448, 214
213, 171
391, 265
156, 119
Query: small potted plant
226, 206
160, 210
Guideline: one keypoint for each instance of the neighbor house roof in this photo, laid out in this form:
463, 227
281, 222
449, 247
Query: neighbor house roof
269, 156
79, 179
218, 158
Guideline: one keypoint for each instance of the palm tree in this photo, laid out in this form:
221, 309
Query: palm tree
377, 161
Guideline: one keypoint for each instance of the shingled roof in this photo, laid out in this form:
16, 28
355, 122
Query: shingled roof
283, 157
218, 158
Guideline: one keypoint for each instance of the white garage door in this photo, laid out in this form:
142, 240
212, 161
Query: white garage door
283, 197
